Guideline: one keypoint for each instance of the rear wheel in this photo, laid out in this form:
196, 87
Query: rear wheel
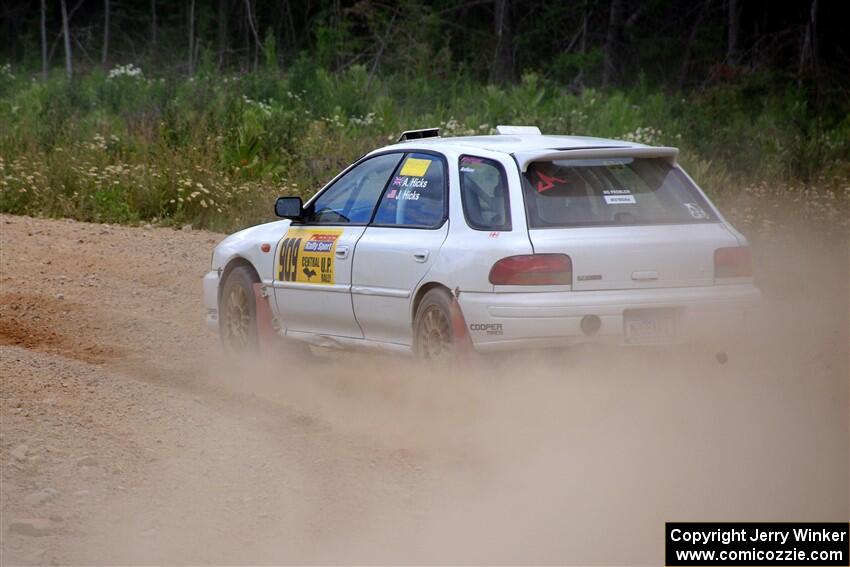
238, 311
432, 327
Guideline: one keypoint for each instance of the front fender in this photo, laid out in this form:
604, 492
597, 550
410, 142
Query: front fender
247, 244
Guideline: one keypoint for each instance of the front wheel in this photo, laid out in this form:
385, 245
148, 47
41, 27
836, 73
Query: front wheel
433, 331
238, 311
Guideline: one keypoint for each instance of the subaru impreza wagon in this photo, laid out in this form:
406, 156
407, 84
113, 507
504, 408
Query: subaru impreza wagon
510, 241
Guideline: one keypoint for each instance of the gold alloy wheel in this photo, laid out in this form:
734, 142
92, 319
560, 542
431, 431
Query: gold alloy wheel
435, 339
238, 326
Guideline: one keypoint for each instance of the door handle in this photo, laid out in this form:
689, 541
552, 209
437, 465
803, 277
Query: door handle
421, 255
341, 252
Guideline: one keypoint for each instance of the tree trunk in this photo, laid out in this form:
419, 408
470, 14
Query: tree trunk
191, 38
105, 53
584, 15
579, 78
734, 28
809, 48
686, 58
253, 26
612, 42
69, 70
336, 23
813, 22
502, 71
223, 13
290, 26
44, 38
153, 24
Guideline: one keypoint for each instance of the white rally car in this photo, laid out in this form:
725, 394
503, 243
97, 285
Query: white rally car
515, 240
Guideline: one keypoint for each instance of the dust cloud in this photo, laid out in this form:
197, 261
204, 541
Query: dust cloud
574, 457
160, 450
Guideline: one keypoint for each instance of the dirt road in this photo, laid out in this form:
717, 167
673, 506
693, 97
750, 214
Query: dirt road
128, 438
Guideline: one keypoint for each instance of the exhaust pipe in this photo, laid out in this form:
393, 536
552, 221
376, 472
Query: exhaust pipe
590, 325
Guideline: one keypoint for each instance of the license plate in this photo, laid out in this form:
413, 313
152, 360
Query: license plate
649, 326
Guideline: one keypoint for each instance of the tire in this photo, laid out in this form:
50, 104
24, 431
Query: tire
237, 309
433, 331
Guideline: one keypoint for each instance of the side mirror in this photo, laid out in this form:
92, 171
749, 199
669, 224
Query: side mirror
289, 208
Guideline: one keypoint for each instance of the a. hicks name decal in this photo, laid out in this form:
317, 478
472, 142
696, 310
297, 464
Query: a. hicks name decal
306, 255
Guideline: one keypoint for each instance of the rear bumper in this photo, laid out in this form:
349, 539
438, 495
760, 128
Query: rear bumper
514, 320
211, 281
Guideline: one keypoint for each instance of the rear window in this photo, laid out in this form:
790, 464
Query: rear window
611, 191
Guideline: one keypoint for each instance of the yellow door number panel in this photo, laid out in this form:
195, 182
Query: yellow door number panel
306, 255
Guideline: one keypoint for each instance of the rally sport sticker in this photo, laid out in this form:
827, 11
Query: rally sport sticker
307, 256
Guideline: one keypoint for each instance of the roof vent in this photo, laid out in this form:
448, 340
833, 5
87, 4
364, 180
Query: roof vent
533, 130
417, 134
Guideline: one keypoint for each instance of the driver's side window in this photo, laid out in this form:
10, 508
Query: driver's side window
352, 198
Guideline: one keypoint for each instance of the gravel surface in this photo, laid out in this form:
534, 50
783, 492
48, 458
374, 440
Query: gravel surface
127, 437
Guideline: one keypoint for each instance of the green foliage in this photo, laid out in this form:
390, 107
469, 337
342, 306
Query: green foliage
214, 150
270, 52
568, 65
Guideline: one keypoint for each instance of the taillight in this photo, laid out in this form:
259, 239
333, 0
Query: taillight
533, 269
732, 262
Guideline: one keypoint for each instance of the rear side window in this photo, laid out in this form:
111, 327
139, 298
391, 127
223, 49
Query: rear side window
415, 196
611, 191
484, 194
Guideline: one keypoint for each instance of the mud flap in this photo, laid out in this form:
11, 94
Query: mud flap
267, 337
463, 342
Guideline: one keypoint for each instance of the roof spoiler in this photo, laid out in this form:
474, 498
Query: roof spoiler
418, 134
515, 130
526, 157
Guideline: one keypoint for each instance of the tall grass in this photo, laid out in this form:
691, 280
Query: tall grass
214, 151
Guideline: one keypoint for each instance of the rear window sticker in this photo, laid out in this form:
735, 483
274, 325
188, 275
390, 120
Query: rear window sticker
307, 256
415, 167
696, 211
467, 169
618, 196
545, 182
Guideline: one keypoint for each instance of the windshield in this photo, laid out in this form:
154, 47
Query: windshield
611, 191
